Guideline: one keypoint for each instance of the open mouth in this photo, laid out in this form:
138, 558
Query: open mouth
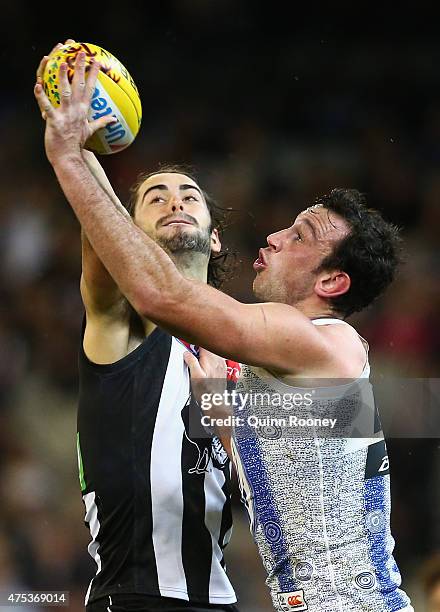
260, 263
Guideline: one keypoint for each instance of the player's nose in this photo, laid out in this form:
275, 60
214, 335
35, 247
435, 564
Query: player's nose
275, 241
176, 203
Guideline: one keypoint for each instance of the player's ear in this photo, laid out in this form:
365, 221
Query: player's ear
332, 284
216, 245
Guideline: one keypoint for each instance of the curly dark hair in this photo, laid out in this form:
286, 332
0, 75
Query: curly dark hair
369, 254
221, 265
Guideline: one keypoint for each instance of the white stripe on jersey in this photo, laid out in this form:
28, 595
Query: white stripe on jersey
217, 581
243, 483
91, 518
166, 484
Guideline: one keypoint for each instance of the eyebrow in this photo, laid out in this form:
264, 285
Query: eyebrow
310, 224
183, 187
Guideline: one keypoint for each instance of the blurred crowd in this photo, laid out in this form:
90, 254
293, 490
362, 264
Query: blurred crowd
270, 117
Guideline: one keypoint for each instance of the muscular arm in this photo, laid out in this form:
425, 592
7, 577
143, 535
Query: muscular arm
100, 292
190, 309
107, 331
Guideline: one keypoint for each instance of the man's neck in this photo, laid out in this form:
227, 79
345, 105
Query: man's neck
313, 310
192, 266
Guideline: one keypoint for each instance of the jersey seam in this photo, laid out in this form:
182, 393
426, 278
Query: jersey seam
324, 524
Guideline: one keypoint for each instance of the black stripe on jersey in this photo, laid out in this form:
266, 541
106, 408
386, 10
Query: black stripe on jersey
196, 539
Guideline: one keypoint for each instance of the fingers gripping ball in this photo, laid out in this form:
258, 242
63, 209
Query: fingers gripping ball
115, 94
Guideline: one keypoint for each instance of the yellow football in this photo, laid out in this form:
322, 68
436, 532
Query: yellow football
115, 94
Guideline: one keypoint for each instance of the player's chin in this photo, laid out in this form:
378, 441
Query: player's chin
258, 287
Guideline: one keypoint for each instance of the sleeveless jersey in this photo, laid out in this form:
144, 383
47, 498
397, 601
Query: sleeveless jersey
157, 501
319, 505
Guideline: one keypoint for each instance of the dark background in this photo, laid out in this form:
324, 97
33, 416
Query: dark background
272, 107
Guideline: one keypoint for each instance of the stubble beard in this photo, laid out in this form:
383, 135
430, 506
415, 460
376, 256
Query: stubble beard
271, 290
268, 290
185, 243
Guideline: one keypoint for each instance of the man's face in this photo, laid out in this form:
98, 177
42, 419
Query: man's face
171, 209
286, 268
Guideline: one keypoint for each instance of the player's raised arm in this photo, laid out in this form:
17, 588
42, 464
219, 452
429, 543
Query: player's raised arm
98, 289
106, 336
107, 330
145, 273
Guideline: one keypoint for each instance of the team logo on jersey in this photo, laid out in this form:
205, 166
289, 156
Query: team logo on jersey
292, 601
208, 452
303, 571
208, 456
365, 581
202, 458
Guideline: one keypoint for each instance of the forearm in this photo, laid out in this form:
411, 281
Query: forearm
99, 291
98, 172
141, 269
95, 274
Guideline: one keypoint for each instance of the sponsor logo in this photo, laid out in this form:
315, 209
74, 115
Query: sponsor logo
101, 107
365, 581
292, 601
377, 463
385, 465
233, 370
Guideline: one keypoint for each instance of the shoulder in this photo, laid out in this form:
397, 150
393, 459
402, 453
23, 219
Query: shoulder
347, 352
109, 337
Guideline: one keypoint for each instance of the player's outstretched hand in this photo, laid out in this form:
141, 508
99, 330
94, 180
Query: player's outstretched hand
68, 127
42, 65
